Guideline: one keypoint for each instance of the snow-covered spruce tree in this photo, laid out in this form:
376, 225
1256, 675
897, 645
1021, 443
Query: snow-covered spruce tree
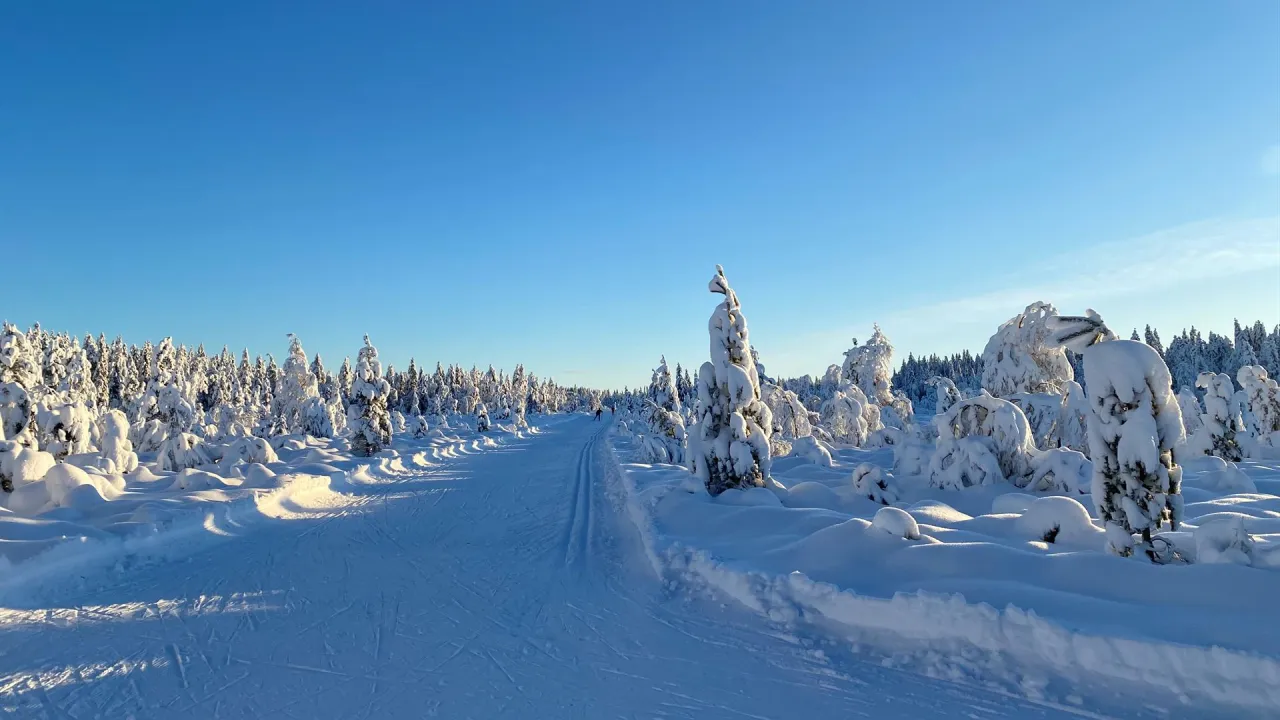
298, 404
790, 416
367, 415
872, 483
1220, 428
482, 417
346, 378
667, 439
420, 427
1189, 404
870, 367
844, 416
1021, 356
731, 439
19, 362
1263, 395
1133, 428
1073, 422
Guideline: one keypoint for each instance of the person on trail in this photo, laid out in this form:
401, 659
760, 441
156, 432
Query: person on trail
613, 411
599, 412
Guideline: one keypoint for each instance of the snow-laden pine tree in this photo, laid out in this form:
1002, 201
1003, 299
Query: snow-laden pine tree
1263, 395
666, 440
346, 378
1134, 426
981, 441
1189, 404
297, 388
730, 446
1021, 356
367, 416
19, 362
1221, 429
482, 417
844, 416
870, 367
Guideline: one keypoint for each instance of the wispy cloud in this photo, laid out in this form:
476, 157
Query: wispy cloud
1208, 249
1271, 160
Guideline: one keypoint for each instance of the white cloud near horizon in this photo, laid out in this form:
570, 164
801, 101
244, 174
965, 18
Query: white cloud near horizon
1093, 276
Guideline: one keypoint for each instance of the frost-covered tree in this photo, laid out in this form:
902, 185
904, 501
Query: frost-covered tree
482, 417
1134, 426
871, 482
666, 440
1152, 338
870, 367
1221, 428
1021, 356
948, 393
790, 416
844, 416
730, 447
19, 362
420, 427
981, 441
346, 378
1263, 396
1073, 420
367, 416
296, 392
1189, 404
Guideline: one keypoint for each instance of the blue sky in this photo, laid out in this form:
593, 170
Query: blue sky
553, 183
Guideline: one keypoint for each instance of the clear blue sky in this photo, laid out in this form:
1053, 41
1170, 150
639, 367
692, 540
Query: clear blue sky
553, 183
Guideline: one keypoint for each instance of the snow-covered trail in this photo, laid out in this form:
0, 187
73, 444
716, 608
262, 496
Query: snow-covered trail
500, 584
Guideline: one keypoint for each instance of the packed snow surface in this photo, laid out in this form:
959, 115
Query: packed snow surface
453, 576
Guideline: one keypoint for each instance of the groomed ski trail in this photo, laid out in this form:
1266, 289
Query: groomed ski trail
500, 583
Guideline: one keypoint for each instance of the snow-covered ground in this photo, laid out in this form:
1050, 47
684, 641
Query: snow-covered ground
976, 593
450, 578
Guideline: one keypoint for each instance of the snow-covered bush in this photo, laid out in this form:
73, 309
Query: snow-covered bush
183, 450
16, 415
1189, 404
1073, 419
844, 416
319, 418
812, 449
1221, 429
420, 427
870, 368
947, 392
1056, 519
20, 465
1061, 470
1263, 396
19, 362
1224, 541
113, 443
871, 482
482, 418
298, 402
913, 454
730, 443
896, 522
1022, 358
1133, 428
250, 450
65, 428
1042, 410
982, 440
367, 417
399, 424
790, 416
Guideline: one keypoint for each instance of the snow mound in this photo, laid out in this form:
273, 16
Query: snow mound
1210, 472
811, 495
190, 479
1011, 503
896, 521
1057, 519
750, 497
257, 475
811, 449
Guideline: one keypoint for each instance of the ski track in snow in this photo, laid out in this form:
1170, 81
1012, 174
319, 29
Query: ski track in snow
501, 582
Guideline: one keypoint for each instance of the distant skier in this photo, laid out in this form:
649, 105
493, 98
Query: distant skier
613, 411
599, 412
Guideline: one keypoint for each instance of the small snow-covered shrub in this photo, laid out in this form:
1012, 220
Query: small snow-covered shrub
20, 465
1054, 519
1224, 541
1043, 411
420, 427
398, 423
251, 450
844, 416
897, 522
1263, 396
811, 449
947, 393
1061, 470
16, 415
912, 455
871, 482
982, 440
1189, 404
1214, 473
482, 418
1220, 428
113, 440
182, 451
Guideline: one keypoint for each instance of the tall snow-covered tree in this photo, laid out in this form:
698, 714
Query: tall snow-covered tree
297, 403
1263, 396
367, 416
1021, 357
1221, 428
1133, 428
346, 378
731, 439
870, 367
666, 423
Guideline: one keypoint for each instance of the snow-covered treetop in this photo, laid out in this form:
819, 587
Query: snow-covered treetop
870, 367
731, 345
1077, 332
1024, 356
